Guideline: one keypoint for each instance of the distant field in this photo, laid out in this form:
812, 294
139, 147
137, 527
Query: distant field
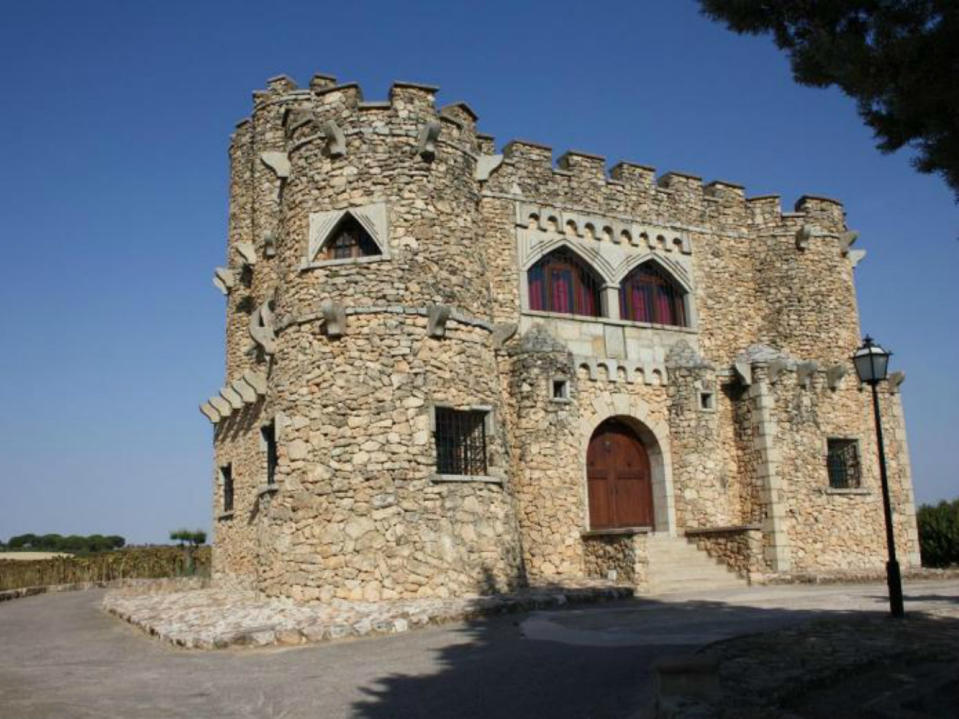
38, 569
27, 556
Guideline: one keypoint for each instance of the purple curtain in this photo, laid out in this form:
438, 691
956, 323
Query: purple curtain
536, 287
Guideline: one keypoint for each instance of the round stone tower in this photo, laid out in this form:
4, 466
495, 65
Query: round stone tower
371, 461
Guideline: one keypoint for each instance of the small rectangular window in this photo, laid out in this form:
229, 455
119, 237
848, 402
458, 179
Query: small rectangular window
842, 462
268, 434
560, 389
707, 401
226, 477
460, 441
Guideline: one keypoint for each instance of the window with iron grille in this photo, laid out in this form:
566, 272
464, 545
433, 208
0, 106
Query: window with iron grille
649, 294
842, 461
226, 476
460, 441
562, 282
349, 240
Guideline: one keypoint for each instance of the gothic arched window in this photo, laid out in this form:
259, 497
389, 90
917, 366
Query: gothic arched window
349, 240
649, 294
562, 282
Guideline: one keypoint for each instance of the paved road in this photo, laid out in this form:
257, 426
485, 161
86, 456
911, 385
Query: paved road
61, 656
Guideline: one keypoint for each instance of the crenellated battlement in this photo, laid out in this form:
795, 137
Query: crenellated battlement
335, 113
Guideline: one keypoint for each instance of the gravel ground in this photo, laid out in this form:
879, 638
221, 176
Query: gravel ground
872, 666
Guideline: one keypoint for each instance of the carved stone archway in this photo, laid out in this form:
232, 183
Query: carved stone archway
655, 437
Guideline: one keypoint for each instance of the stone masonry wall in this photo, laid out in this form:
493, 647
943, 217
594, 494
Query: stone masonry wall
358, 511
832, 528
740, 548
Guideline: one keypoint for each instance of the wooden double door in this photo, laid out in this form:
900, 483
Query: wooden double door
618, 477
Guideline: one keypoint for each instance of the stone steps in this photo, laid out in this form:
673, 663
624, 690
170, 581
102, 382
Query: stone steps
677, 566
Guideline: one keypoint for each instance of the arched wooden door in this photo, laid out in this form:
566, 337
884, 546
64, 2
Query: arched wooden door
617, 473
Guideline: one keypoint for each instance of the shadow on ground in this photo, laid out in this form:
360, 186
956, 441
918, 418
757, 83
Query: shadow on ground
64, 657
597, 661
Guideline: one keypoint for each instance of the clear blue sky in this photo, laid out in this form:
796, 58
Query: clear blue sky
113, 204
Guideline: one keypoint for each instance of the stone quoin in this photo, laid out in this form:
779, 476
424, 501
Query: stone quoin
452, 370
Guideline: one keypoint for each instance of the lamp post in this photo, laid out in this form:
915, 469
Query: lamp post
871, 363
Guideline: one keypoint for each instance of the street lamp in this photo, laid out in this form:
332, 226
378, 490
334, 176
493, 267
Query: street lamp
871, 363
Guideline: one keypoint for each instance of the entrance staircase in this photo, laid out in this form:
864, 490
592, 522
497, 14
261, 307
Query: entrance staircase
675, 565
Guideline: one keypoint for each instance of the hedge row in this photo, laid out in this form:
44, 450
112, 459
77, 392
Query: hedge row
939, 533
133, 562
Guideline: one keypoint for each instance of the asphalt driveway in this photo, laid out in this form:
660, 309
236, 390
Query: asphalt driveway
63, 657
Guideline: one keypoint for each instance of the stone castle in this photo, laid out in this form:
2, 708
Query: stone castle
451, 370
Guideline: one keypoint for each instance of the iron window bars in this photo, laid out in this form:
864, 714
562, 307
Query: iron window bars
460, 441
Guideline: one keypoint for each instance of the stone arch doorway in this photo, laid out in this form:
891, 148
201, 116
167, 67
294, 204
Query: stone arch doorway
619, 478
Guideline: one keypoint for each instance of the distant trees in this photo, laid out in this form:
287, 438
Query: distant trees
189, 540
185, 536
939, 533
73, 543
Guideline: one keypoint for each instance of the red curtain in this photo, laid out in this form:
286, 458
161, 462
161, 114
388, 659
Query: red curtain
587, 300
562, 282
641, 309
664, 306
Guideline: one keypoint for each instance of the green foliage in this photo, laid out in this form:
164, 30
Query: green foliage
185, 536
939, 533
132, 562
75, 543
897, 59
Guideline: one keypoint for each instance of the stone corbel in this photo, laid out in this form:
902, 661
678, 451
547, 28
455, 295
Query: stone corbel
277, 161
295, 119
805, 372
247, 252
856, 256
502, 333
335, 139
846, 240
485, 165
269, 245
834, 376
426, 143
894, 381
437, 317
224, 279
776, 367
744, 373
334, 318
256, 380
246, 392
221, 406
209, 411
261, 327
803, 235
235, 400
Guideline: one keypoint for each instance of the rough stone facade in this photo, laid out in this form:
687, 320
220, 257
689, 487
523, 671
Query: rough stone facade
349, 360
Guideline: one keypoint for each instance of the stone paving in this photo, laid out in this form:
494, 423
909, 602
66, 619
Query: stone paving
216, 618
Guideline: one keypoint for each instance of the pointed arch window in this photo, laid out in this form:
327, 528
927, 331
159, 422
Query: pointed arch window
649, 294
562, 282
349, 240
